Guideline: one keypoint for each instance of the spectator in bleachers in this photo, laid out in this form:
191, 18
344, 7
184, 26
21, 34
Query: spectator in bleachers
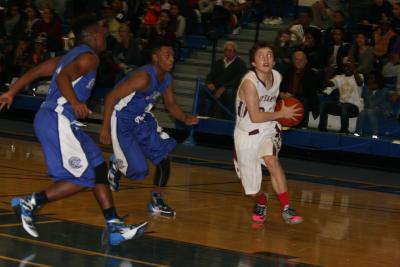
335, 53
358, 10
58, 6
338, 22
337, 5
349, 104
178, 23
384, 38
119, 6
303, 83
396, 17
376, 106
31, 19
12, 19
151, 13
379, 10
276, 11
163, 30
299, 27
206, 8
221, 19
222, 81
39, 53
50, 24
321, 14
16, 59
362, 54
189, 10
165, 5
283, 50
313, 49
127, 53
391, 72
112, 24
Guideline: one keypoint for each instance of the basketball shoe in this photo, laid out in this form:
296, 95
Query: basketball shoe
290, 216
158, 206
260, 211
114, 175
25, 208
119, 232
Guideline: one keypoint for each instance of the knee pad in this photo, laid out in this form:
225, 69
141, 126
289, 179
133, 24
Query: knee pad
162, 173
101, 174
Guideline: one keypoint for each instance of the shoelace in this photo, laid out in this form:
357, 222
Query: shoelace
28, 207
160, 202
259, 209
290, 211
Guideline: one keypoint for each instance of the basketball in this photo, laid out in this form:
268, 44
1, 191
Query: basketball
290, 101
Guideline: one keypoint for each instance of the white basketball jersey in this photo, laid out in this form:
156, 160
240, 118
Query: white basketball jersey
267, 101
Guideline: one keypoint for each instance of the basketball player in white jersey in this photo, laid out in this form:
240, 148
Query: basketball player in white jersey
257, 134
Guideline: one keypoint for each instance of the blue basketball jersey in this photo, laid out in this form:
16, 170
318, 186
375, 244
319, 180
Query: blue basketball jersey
70, 153
136, 135
139, 102
82, 86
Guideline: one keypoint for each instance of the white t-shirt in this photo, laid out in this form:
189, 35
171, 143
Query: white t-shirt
349, 91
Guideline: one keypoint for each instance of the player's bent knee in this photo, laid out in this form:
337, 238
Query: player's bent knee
101, 174
271, 162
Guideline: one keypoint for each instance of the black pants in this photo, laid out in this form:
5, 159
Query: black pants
344, 110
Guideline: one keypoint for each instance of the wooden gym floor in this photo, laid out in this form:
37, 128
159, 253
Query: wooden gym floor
352, 217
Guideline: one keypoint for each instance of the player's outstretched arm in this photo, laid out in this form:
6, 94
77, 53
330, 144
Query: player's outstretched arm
82, 65
44, 69
137, 82
249, 93
175, 110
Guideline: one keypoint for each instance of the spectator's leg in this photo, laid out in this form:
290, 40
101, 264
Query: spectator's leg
327, 107
374, 115
361, 121
347, 111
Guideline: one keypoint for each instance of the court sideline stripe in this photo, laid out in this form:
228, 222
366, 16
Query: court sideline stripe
78, 250
20, 224
24, 262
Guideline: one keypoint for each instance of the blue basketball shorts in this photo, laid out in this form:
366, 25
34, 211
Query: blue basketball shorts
70, 153
135, 141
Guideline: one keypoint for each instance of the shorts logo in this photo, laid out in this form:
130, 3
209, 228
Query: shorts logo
119, 163
75, 162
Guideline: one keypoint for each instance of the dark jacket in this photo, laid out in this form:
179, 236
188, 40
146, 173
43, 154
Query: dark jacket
228, 77
308, 89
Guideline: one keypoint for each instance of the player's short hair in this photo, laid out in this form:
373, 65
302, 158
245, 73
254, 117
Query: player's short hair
160, 43
81, 25
256, 47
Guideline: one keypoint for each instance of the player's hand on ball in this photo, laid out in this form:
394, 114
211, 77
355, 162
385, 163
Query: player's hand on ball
191, 120
290, 112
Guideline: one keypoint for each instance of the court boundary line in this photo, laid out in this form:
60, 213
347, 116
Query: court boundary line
77, 250
24, 261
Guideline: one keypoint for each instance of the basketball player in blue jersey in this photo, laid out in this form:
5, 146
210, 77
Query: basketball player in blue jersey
74, 161
134, 132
